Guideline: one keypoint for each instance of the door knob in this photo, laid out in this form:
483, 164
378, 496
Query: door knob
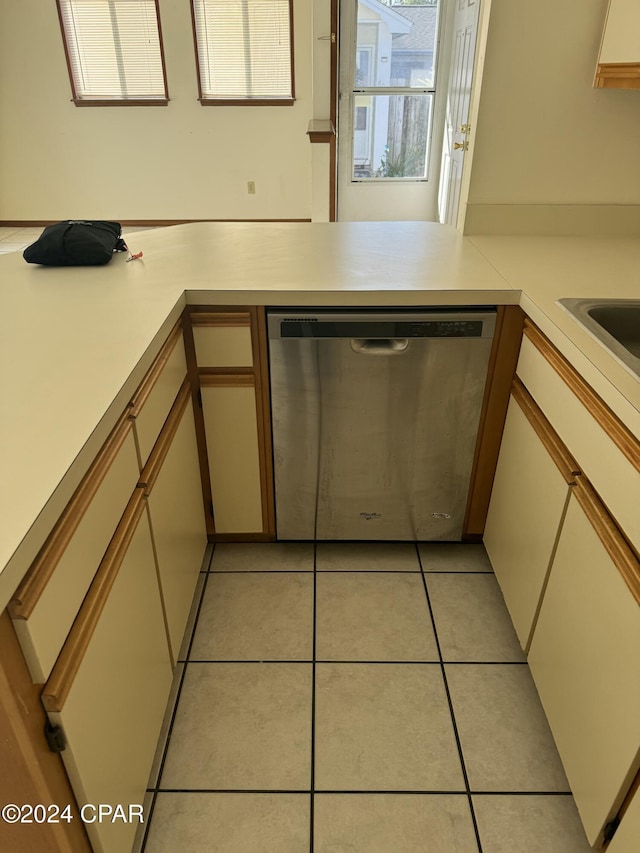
461, 146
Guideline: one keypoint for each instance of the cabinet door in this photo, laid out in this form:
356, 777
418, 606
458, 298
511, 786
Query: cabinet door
619, 60
48, 599
584, 659
177, 514
109, 687
527, 505
230, 420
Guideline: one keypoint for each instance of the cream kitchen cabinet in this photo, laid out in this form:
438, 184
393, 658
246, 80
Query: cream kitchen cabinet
171, 480
584, 658
46, 602
531, 489
109, 686
606, 451
619, 60
102, 611
228, 362
562, 533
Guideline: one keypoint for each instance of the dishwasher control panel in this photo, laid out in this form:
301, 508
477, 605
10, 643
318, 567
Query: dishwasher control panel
465, 323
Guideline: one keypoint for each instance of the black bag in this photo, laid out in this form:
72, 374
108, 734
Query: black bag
76, 242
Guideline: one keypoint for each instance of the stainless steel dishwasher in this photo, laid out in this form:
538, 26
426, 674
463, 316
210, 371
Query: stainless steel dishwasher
374, 419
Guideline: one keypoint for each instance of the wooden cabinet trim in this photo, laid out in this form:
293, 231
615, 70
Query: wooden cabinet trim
617, 75
502, 367
233, 379
263, 409
146, 386
201, 440
552, 442
60, 681
31, 772
621, 552
220, 318
633, 790
39, 573
621, 436
157, 456
256, 377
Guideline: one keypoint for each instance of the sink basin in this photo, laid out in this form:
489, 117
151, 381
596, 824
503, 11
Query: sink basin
615, 323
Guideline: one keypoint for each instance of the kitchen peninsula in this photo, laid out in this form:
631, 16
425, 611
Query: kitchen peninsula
78, 342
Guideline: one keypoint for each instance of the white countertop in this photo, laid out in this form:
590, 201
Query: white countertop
75, 342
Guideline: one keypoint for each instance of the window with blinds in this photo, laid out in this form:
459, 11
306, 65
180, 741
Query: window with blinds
245, 51
114, 51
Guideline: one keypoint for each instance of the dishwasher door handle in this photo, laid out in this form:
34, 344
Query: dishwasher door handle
379, 346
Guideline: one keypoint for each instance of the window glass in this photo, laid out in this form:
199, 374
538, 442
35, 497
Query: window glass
244, 50
394, 143
114, 50
395, 51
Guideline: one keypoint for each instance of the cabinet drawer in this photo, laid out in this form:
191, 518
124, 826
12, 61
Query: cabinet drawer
152, 401
48, 599
223, 339
612, 466
110, 684
584, 659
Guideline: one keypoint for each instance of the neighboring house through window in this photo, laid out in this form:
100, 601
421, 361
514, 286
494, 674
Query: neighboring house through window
114, 52
244, 51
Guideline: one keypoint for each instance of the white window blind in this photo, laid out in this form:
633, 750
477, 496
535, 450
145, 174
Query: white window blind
244, 49
114, 49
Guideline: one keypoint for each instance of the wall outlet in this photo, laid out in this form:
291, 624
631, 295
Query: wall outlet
251, 187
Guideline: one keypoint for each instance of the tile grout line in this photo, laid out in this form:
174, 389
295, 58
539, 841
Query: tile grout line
367, 791
361, 662
313, 707
157, 787
450, 702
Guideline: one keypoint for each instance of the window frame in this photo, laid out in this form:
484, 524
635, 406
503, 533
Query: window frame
206, 101
115, 102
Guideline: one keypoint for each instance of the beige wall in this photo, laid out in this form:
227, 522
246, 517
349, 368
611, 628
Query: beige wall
546, 139
545, 136
183, 161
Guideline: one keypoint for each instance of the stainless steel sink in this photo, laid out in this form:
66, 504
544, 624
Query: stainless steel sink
615, 323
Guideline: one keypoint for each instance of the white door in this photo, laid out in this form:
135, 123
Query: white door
457, 128
387, 113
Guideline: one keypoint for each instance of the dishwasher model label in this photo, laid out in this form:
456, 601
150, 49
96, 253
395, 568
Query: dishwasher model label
370, 515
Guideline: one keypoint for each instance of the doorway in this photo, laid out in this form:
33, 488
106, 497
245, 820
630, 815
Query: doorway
390, 117
408, 96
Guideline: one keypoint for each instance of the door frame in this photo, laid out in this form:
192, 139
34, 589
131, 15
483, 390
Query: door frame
474, 109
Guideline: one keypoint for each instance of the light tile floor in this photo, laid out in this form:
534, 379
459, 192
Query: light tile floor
14, 239
356, 698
